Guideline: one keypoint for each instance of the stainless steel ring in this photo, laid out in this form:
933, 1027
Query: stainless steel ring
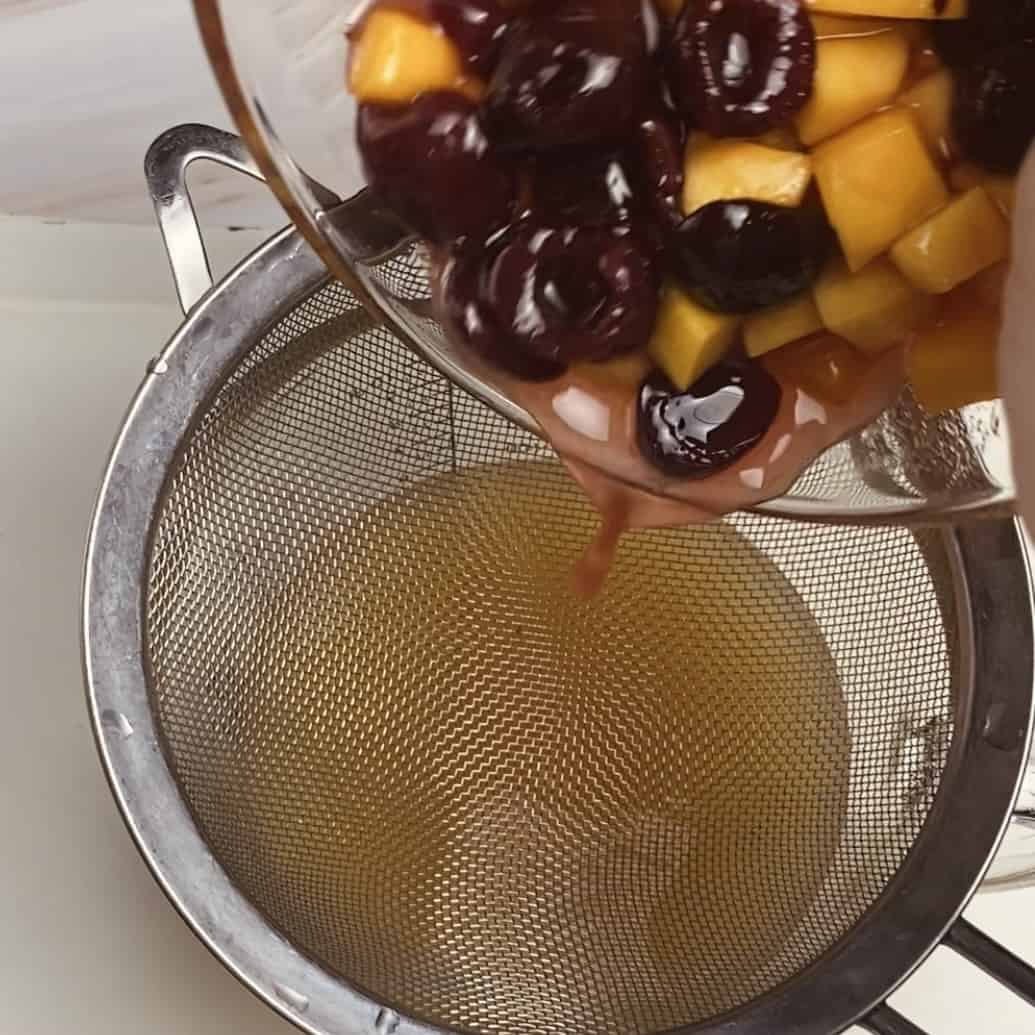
920, 908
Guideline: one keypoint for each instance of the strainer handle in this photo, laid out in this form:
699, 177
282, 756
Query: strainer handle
885, 1021
1009, 970
984, 952
166, 168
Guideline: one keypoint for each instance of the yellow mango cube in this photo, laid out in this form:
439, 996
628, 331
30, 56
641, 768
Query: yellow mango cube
878, 182
854, 77
1001, 189
953, 362
875, 308
928, 9
669, 8
930, 102
727, 170
955, 244
842, 26
777, 326
397, 57
689, 339
835, 26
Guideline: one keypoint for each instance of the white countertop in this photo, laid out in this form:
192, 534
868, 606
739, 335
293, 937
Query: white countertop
88, 945
85, 85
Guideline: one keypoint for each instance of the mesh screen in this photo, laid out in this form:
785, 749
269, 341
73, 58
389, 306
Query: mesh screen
485, 802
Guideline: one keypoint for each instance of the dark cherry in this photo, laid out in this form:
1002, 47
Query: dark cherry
739, 256
471, 318
696, 433
594, 190
583, 293
739, 67
993, 115
477, 27
555, 296
990, 25
658, 166
431, 163
569, 74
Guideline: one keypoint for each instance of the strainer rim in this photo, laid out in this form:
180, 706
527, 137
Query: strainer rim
319, 1002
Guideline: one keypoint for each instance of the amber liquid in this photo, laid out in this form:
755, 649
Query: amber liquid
496, 805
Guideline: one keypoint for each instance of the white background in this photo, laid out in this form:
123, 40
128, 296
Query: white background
88, 946
85, 85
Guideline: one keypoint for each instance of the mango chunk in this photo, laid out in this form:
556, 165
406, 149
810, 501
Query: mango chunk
777, 326
728, 170
878, 182
1001, 189
928, 9
669, 8
397, 57
930, 101
953, 362
875, 308
854, 77
689, 339
834, 26
967, 236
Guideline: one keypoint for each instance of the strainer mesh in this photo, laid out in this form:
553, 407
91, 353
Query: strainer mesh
478, 799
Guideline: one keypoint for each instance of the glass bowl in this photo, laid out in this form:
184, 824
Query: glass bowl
281, 66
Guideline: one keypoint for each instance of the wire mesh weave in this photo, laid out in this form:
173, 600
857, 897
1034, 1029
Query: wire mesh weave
486, 803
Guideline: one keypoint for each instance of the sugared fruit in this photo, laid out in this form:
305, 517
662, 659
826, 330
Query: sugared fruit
952, 362
993, 115
773, 328
595, 191
396, 57
854, 77
878, 181
698, 432
688, 338
875, 308
462, 187
741, 256
930, 102
931, 9
476, 28
740, 67
955, 244
563, 295
727, 170
571, 75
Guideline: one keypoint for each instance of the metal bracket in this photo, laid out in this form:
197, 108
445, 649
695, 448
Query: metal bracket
166, 167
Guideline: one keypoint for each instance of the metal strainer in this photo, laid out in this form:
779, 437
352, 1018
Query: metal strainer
400, 778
